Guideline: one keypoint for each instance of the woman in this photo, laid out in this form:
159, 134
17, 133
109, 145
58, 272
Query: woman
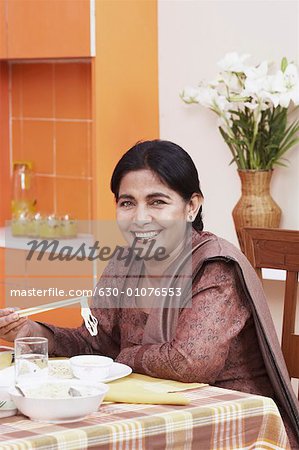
208, 333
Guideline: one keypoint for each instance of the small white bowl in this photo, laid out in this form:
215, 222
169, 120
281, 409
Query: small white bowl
59, 410
93, 367
7, 406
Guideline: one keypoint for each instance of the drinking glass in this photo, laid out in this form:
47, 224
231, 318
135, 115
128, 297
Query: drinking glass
31, 358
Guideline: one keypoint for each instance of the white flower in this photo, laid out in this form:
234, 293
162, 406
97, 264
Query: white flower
254, 87
276, 83
210, 98
256, 80
272, 98
206, 96
255, 73
295, 95
232, 82
239, 95
189, 94
291, 76
232, 62
283, 87
221, 103
251, 106
279, 98
284, 99
215, 82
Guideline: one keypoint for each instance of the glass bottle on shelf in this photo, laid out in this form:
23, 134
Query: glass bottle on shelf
23, 189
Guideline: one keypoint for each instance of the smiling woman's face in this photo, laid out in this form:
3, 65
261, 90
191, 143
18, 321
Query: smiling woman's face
149, 210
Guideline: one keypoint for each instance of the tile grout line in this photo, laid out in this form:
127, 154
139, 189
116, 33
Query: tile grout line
54, 139
10, 118
85, 60
22, 114
51, 119
63, 177
89, 132
90, 172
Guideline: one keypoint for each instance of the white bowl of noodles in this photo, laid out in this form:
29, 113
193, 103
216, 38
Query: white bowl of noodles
54, 401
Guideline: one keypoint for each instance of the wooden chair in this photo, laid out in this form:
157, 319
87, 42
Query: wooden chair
279, 249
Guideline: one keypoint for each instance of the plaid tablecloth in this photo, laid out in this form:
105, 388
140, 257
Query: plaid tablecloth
215, 419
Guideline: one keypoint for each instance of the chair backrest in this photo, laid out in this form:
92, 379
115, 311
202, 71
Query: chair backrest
279, 249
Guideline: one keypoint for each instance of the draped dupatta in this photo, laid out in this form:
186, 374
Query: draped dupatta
185, 273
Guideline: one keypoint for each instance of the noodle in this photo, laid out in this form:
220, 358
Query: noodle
60, 369
90, 321
57, 390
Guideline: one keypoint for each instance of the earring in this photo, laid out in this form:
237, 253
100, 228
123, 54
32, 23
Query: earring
190, 218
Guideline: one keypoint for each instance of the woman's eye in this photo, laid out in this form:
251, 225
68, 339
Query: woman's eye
158, 202
126, 204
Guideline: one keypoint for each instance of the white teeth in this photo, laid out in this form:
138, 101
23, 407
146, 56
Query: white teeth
149, 235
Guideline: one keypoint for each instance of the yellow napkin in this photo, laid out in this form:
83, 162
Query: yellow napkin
137, 388
5, 359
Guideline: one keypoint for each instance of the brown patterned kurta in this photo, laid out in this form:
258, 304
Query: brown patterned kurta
215, 340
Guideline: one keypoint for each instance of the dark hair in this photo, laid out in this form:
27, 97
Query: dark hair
169, 162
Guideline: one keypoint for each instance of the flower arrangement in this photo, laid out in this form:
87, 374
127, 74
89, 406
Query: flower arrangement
253, 104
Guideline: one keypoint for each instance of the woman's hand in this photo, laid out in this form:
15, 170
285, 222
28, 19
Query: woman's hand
13, 326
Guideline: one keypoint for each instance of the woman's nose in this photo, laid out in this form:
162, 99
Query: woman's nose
142, 215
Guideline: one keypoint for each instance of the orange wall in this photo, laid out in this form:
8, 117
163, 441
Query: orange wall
47, 28
4, 171
48, 99
4, 145
51, 126
74, 120
3, 29
125, 82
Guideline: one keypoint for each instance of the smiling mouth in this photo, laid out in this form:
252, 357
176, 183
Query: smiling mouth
145, 235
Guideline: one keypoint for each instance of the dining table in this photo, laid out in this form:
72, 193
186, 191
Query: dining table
215, 418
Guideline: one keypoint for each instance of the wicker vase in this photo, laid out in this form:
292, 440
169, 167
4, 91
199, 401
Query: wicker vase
256, 207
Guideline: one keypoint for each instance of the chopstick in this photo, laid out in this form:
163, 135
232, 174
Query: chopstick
48, 306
